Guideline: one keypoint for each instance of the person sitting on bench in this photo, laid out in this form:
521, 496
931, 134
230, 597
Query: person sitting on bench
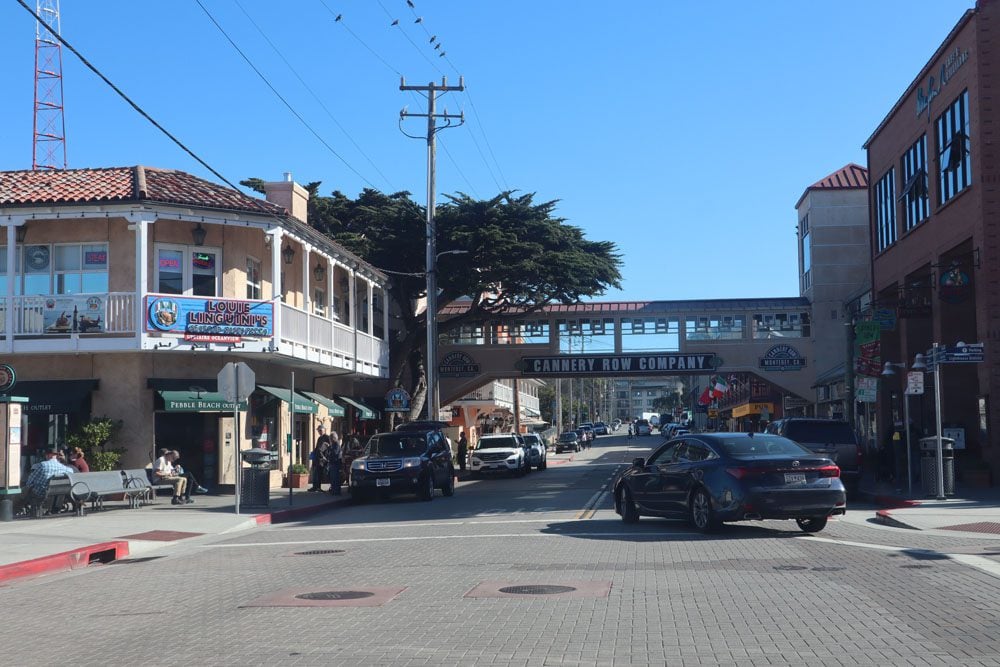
164, 473
192, 484
37, 483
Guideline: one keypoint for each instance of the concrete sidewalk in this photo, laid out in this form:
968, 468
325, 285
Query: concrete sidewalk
31, 547
970, 511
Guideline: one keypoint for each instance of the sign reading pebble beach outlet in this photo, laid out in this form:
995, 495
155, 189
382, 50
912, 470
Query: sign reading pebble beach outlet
622, 364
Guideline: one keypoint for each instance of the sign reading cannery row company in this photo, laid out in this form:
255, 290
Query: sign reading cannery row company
207, 319
623, 364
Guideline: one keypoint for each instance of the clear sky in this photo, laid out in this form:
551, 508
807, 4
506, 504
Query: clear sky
685, 131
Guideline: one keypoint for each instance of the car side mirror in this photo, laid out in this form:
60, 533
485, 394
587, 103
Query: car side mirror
639, 462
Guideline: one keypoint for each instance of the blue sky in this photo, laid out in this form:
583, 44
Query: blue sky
683, 131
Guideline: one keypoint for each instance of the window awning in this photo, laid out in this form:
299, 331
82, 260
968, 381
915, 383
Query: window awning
364, 412
197, 401
55, 396
302, 404
334, 409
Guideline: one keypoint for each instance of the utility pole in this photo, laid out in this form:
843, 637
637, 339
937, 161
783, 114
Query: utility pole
431, 92
49, 131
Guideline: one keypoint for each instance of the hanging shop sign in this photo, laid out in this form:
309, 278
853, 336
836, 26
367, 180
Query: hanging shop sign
458, 365
73, 313
868, 348
782, 358
397, 400
210, 320
953, 286
622, 364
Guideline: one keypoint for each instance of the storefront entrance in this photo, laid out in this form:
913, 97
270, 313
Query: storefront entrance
193, 434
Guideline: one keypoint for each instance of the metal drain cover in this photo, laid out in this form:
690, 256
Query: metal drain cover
544, 589
790, 568
335, 595
319, 552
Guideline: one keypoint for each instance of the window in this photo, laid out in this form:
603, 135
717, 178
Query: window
885, 210
914, 194
781, 325
319, 302
954, 160
805, 252
378, 313
65, 269
253, 279
188, 271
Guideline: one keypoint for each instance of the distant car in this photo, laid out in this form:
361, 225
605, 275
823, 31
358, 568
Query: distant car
642, 427
569, 440
833, 438
600, 428
537, 452
415, 460
616, 424
711, 478
502, 452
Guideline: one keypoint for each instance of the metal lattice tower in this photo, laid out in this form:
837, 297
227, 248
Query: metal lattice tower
49, 131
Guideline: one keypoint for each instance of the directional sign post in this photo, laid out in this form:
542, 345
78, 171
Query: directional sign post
236, 382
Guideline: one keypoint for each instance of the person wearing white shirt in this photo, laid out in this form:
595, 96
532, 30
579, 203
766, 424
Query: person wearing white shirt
163, 472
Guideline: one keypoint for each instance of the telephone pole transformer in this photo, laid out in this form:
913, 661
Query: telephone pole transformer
431, 91
49, 130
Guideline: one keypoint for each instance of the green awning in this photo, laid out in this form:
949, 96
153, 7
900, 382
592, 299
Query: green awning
302, 404
197, 401
334, 409
364, 412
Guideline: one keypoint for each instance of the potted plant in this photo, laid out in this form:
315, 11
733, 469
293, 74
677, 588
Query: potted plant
298, 476
976, 474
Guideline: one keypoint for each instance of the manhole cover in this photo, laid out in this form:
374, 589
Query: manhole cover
831, 568
536, 590
335, 595
916, 567
790, 568
320, 552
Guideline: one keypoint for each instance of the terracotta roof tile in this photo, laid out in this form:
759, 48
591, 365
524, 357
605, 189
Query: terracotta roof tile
124, 184
849, 177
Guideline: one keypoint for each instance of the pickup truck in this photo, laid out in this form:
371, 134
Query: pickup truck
832, 438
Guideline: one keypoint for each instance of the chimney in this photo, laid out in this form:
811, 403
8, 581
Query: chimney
290, 195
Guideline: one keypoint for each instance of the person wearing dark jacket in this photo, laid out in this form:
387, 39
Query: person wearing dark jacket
335, 457
320, 458
463, 450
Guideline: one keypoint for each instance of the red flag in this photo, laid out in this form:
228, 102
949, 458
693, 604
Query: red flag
706, 396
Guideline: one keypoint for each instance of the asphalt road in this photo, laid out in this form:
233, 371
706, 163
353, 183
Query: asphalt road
599, 592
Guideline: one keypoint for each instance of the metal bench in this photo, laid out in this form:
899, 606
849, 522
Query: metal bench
94, 487
139, 480
59, 488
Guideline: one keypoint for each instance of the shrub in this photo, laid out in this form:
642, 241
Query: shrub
93, 438
299, 469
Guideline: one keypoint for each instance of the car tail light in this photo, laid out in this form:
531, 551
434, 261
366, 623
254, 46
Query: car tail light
829, 471
740, 473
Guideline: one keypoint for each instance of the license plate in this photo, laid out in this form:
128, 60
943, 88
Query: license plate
795, 478
382, 481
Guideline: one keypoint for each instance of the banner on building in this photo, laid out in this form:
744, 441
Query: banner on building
73, 313
868, 348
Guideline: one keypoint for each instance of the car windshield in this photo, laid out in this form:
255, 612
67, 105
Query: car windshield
396, 444
820, 432
494, 442
532, 439
568, 437
742, 446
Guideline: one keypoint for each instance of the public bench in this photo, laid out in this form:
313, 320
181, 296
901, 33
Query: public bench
140, 480
59, 489
94, 487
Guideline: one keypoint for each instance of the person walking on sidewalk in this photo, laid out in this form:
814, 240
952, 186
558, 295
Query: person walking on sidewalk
335, 455
463, 450
164, 473
320, 458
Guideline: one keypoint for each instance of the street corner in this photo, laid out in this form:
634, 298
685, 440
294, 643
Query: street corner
886, 518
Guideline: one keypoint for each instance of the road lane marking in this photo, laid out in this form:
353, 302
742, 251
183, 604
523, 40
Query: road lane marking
357, 540
980, 563
368, 526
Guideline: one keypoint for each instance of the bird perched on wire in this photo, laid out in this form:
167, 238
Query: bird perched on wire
339, 16
396, 22
410, 3
433, 37
420, 19
437, 46
442, 54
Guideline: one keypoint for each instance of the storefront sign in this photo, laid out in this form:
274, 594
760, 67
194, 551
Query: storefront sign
72, 313
211, 320
748, 409
949, 67
953, 287
782, 358
8, 378
622, 364
868, 348
458, 365
886, 317
397, 400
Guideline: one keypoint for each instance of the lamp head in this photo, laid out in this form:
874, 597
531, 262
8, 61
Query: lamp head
918, 363
888, 370
198, 234
288, 253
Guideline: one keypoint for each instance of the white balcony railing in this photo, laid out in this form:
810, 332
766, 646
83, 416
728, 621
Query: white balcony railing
317, 335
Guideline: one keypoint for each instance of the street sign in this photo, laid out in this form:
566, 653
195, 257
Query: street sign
972, 353
791, 402
236, 382
914, 383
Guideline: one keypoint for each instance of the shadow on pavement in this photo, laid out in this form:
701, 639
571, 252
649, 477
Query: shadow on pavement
668, 530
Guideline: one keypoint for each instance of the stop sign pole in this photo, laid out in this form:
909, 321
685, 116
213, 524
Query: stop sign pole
236, 382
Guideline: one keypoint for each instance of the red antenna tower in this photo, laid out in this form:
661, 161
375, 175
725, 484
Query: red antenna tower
49, 131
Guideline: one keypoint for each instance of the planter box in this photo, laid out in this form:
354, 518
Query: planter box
298, 480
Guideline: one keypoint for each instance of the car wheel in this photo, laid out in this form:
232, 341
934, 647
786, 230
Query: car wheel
626, 506
427, 490
813, 525
702, 517
448, 488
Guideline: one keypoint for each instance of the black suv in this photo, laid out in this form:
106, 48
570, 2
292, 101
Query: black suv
415, 458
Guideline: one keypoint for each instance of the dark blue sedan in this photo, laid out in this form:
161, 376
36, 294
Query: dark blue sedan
710, 478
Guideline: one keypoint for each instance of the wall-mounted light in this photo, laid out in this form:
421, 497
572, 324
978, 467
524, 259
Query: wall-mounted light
288, 253
21, 232
268, 239
319, 273
198, 234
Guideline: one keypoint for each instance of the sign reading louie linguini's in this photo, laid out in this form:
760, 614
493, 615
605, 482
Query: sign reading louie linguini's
622, 364
210, 320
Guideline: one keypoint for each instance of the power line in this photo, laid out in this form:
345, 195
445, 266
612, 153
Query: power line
280, 97
338, 18
315, 96
395, 22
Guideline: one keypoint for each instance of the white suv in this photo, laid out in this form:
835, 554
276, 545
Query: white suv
500, 453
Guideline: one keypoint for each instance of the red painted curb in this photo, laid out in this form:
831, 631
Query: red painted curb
895, 502
67, 560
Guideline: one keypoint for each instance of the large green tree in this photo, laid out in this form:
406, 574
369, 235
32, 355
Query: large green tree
519, 257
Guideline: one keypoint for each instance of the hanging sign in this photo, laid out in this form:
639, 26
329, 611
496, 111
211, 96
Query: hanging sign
458, 365
397, 400
782, 358
623, 364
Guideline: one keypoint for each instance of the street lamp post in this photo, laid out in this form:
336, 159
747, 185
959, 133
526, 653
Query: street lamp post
433, 402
